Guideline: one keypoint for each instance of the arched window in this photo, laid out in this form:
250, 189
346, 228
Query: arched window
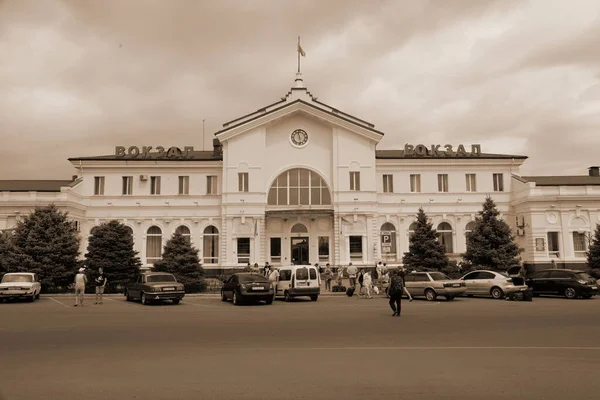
411, 229
210, 253
129, 230
388, 239
299, 228
299, 186
93, 230
153, 244
470, 226
444, 231
184, 231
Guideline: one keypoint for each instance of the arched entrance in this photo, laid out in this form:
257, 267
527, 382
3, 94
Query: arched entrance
300, 245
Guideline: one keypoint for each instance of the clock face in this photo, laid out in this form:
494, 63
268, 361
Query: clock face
299, 137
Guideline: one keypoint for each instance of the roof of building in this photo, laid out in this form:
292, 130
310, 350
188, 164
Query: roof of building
33, 185
192, 156
399, 154
577, 180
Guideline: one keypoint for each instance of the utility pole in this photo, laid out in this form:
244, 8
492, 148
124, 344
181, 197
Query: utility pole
203, 134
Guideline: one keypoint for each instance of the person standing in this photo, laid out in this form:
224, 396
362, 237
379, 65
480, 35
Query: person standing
352, 271
328, 277
267, 270
367, 283
80, 282
395, 291
100, 285
340, 275
273, 278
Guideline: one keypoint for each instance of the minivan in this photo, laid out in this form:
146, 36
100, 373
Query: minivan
298, 281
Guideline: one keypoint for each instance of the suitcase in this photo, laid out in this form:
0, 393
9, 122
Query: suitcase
338, 288
350, 292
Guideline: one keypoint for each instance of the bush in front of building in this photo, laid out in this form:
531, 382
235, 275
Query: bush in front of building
111, 247
491, 244
424, 250
46, 243
593, 253
181, 259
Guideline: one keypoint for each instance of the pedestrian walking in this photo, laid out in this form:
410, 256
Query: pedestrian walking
367, 283
80, 282
100, 285
273, 278
395, 291
328, 277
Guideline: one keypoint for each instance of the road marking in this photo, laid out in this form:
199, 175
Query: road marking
120, 302
56, 301
198, 305
452, 348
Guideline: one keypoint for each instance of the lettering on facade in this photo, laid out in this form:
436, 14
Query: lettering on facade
161, 152
447, 151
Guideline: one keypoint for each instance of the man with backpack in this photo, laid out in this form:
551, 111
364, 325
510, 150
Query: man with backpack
396, 289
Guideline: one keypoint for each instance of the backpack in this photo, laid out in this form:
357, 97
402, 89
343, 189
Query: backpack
396, 285
360, 278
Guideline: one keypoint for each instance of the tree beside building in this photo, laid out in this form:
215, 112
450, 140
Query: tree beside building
181, 259
491, 243
111, 247
424, 249
593, 253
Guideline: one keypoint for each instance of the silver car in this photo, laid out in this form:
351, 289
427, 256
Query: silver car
433, 284
491, 283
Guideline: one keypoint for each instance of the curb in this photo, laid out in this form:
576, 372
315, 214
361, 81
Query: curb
216, 295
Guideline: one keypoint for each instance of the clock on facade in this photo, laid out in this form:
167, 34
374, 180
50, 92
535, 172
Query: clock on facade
299, 137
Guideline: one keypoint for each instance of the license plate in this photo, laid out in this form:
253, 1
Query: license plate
594, 287
168, 288
258, 288
456, 285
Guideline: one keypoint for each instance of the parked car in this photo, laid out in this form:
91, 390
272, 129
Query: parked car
297, 281
20, 285
155, 286
433, 284
491, 283
245, 286
564, 282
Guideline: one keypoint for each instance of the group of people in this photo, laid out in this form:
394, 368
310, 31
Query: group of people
81, 281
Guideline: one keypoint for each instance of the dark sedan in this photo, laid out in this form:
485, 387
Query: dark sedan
155, 286
563, 282
245, 286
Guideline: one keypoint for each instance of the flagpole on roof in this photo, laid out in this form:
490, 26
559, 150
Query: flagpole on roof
298, 50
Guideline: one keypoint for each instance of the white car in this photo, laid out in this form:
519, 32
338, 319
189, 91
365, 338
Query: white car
491, 283
18, 285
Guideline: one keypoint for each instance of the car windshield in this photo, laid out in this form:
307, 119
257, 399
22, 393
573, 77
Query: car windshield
584, 276
17, 278
438, 276
160, 278
252, 278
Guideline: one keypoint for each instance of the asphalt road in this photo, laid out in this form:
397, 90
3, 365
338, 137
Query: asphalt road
336, 348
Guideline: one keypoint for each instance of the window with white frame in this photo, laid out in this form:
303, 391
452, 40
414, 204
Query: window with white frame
471, 182
388, 183
242, 182
411, 229
98, 186
210, 248
468, 229
443, 183
354, 180
127, 185
299, 186
211, 184
498, 182
243, 250
323, 248
184, 185
553, 244
275, 249
155, 185
415, 183
444, 232
580, 243
356, 251
184, 231
153, 244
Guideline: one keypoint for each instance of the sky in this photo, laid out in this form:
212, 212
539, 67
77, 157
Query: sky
79, 77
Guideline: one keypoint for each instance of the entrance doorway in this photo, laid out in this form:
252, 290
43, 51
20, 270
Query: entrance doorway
300, 251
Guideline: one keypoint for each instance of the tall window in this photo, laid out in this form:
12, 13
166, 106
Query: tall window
443, 183
210, 241
323, 248
580, 244
299, 186
468, 229
98, 185
388, 239
354, 180
471, 182
275, 249
127, 185
155, 185
184, 231
411, 229
415, 183
242, 182
388, 183
498, 183
211, 184
444, 231
129, 230
356, 252
553, 246
153, 244
184, 185
243, 250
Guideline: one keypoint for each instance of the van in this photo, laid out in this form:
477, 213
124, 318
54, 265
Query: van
298, 281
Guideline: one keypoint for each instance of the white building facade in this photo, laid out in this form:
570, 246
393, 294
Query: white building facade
301, 182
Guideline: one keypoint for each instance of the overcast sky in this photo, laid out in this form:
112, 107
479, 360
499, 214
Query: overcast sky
78, 77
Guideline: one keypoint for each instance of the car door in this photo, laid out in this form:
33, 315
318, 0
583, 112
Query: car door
138, 286
301, 275
485, 282
557, 282
471, 282
285, 276
408, 282
419, 284
37, 286
539, 282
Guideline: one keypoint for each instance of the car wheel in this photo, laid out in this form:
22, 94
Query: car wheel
176, 301
270, 301
223, 297
236, 299
286, 296
144, 299
570, 293
32, 298
127, 296
449, 298
497, 293
314, 298
37, 296
430, 295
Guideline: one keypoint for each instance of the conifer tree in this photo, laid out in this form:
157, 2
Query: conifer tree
45, 242
110, 247
491, 243
593, 253
180, 258
424, 249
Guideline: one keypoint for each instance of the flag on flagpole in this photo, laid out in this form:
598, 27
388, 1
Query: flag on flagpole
255, 228
302, 53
